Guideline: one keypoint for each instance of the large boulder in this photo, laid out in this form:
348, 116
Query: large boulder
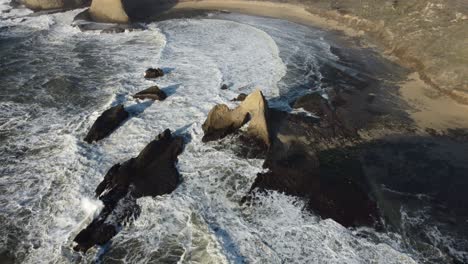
222, 121
107, 123
152, 173
109, 11
53, 4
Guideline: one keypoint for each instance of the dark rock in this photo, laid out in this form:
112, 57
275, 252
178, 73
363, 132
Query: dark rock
301, 162
224, 87
113, 30
292, 170
240, 98
313, 103
106, 123
152, 173
154, 73
153, 93
334, 117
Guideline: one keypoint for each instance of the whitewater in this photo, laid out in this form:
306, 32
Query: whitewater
56, 80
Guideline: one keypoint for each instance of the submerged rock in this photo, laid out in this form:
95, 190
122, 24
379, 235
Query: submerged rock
154, 73
153, 93
54, 4
313, 103
107, 123
222, 121
152, 173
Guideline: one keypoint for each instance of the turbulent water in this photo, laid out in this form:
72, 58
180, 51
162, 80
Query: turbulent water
56, 80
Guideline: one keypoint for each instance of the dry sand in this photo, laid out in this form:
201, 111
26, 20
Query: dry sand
430, 108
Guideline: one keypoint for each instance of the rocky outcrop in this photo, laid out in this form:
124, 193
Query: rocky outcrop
111, 11
54, 4
302, 162
153, 93
152, 173
154, 73
222, 121
107, 123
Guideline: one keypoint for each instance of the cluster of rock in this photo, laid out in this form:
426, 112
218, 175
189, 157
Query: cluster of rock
112, 118
152, 173
300, 156
298, 159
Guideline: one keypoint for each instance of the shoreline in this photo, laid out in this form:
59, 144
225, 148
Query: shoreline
445, 112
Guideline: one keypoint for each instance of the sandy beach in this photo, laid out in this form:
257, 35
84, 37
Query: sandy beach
430, 108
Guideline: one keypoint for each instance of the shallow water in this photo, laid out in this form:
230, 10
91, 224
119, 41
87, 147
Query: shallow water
56, 80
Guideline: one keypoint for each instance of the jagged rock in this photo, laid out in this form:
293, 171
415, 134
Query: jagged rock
154, 73
222, 121
153, 93
152, 173
107, 123
53, 4
108, 11
241, 97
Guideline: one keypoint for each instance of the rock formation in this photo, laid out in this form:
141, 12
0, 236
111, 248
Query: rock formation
106, 123
109, 11
152, 173
153, 93
222, 121
53, 4
154, 73
302, 162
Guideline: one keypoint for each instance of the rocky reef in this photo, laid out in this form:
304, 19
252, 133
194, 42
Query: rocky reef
151, 173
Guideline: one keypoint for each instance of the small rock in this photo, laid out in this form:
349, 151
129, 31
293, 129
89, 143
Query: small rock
153, 93
224, 87
154, 73
241, 97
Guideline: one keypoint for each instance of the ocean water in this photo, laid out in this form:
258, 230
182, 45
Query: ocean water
56, 80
